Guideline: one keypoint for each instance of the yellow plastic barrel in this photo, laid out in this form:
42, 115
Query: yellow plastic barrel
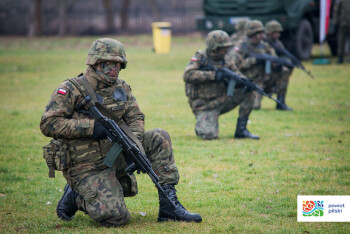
161, 37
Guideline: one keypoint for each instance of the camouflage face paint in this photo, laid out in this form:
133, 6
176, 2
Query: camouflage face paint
108, 70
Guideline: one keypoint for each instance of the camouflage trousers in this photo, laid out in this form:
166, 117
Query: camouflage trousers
101, 193
277, 83
207, 125
343, 36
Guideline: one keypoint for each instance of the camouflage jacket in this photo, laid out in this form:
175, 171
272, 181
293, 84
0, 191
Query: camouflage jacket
341, 13
237, 58
60, 120
248, 65
237, 37
203, 92
278, 43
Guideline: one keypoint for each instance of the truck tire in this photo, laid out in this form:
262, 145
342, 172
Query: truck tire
304, 40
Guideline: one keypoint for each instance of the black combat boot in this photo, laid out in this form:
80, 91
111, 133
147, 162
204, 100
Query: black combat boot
242, 131
67, 206
283, 105
168, 212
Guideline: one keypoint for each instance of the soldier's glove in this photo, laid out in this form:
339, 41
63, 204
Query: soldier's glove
259, 61
219, 75
277, 67
100, 132
246, 89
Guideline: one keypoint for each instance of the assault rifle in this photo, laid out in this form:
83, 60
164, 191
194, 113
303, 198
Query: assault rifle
232, 78
274, 59
296, 62
136, 159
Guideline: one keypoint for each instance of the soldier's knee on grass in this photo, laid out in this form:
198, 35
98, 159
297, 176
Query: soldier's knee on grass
206, 135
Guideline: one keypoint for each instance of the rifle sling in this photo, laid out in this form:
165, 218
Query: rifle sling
85, 88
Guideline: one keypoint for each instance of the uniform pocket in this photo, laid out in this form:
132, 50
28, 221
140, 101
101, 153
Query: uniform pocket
88, 191
90, 195
85, 151
117, 108
211, 90
57, 155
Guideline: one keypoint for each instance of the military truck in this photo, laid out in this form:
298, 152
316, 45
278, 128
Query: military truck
299, 18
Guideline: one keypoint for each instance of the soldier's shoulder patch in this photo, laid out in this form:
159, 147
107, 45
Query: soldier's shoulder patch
236, 48
194, 59
61, 91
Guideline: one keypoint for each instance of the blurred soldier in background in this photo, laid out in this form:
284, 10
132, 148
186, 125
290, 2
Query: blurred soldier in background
259, 70
240, 33
206, 89
273, 33
93, 187
341, 15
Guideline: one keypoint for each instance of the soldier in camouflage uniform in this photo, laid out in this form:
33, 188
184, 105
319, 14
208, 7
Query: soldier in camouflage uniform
273, 34
239, 35
341, 16
265, 75
93, 187
206, 89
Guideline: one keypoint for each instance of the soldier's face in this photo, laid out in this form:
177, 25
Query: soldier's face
222, 50
257, 37
109, 68
275, 35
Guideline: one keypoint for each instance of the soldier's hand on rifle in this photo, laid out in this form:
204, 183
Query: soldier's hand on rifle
256, 61
219, 75
100, 132
278, 67
259, 61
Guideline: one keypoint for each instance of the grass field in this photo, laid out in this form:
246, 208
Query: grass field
236, 185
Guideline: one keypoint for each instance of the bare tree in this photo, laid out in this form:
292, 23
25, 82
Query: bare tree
35, 26
110, 26
62, 30
155, 10
124, 14
65, 6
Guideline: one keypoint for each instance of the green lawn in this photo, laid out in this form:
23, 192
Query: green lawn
236, 185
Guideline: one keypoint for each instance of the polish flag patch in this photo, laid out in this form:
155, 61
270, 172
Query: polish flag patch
194, 59
61, 91
236, 48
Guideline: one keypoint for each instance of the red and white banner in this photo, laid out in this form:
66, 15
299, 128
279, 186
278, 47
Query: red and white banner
324, 18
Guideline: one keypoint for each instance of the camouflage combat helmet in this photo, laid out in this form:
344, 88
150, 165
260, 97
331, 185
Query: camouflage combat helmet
253, 27
107, 49
216, 39
273, 26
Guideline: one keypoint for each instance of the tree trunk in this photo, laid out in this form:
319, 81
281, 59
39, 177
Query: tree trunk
64, 8
110, 27
62, 18
35, 26
124, 15
155, 11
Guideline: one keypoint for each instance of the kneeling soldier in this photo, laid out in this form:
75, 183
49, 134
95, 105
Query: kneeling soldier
206, 89
93, 187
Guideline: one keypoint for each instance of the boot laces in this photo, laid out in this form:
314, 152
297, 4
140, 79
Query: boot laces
171, 192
